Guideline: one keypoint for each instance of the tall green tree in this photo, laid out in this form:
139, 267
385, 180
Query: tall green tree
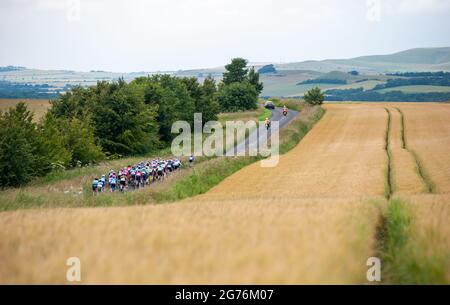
209, 104
18, 147
236, 71
53, 143
73, 103
79, 138
204, 97
123, 123
240, 87
253, 79
172, 98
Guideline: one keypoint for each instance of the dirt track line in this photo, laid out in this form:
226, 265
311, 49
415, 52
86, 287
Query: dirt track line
429, 185
388, 183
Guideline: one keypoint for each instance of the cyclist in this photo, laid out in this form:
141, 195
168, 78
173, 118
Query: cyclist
94, 186
285, 110
123, 181
267, 123
103, 181
112, 183
99, 186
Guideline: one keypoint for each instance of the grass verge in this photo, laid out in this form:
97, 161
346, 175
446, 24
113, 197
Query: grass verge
293, 104
266, 114
406, 259
388, 171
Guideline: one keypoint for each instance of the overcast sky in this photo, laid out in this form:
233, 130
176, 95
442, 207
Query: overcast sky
150, 35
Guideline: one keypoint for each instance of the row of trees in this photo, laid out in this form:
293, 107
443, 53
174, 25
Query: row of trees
136, 118
414, 81
86, 125
323, 81
20, 90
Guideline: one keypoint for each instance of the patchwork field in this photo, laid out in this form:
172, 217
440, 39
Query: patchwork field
314, 218
39, 107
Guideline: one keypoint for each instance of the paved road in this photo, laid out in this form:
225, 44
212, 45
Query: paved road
277, 115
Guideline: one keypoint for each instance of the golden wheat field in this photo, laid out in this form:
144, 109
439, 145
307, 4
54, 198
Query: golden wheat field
38, 107
311, 219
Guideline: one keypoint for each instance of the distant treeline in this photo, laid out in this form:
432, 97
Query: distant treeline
415, 81
324, 81
407, 79
267, 69
393, 96
26, 91
421, 74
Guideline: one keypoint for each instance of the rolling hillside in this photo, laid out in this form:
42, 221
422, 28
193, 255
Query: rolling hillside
425, 59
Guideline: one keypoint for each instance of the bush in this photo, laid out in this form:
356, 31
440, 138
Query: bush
314, 96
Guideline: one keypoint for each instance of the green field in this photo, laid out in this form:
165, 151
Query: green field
366, 85
284, 83
417, 89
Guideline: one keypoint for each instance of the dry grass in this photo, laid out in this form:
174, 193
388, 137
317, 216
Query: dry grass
404, 172
254, 241
428, 133
342, 156
39, 107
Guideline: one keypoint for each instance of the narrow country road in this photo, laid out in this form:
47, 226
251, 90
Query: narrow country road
258, 136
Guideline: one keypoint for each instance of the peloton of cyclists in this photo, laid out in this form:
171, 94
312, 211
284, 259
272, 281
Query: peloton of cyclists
137, 176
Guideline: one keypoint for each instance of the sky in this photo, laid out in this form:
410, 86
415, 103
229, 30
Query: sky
164, 35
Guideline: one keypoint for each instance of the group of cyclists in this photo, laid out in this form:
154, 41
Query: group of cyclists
137, 176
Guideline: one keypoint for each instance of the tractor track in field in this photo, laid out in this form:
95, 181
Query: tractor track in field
429, 185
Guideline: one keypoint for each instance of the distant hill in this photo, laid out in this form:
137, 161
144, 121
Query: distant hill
423, 59
11, 68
